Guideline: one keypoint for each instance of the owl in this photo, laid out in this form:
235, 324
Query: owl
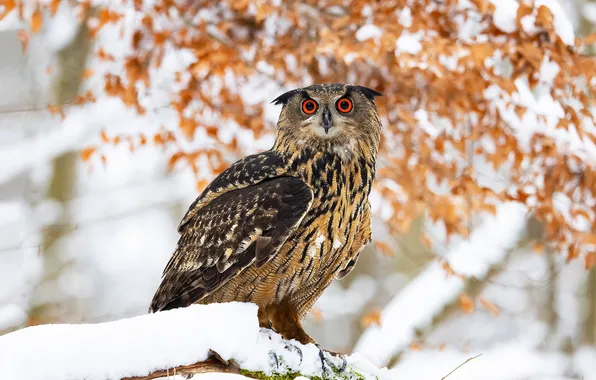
275, 228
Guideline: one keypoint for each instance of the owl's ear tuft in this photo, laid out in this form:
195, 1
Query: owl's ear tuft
369, 93
284, 98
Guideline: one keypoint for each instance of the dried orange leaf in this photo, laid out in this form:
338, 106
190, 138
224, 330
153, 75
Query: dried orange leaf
384, 248
87, 73
24, 38
447, 268
538, 247
589, 39
36, 21
490, 307
466, 303
201, 184
317, 316
54, 7
57, 110
373, 317
87, 153
415, 346
7, 7
590, 260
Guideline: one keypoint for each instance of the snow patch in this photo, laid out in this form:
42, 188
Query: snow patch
562, 23
408, 43
589, 12
405, 17
140, 345
548, 70
505, 15
366, 32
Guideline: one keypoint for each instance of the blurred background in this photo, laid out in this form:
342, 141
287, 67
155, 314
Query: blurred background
115, 114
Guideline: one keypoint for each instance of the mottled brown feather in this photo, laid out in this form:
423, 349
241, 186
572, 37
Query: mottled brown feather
238, 228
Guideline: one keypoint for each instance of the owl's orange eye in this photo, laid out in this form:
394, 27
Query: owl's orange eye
344, 105
309, 106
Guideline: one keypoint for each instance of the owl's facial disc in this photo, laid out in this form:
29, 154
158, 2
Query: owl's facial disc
324, 124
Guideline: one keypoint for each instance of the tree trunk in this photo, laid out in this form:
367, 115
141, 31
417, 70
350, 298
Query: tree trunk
71, 63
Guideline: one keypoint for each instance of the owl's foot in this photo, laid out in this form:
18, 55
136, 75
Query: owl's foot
330, 360
275, 360
290, 347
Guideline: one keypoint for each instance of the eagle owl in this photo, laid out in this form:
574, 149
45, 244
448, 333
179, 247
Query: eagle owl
277, 227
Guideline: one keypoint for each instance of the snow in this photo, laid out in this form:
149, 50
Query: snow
366, 32
333, 301
562, 23
62, 27
548, 70
67, 136
540, 103
589, 12
20, 264
511, 361
584, 362
471, 258
505, 14
12, 315
405, 17
408, 43
140, 345
123, 215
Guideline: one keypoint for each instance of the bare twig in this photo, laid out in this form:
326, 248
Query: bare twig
459, 366
207, 366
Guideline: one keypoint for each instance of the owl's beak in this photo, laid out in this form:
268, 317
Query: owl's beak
326, 122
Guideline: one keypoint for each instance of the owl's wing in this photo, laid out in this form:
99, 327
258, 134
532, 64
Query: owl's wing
236, 229
248, 171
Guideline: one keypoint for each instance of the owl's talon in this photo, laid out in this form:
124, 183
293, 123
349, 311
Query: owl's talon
273, 359
331, 363
293, 348
344, 364
322, 357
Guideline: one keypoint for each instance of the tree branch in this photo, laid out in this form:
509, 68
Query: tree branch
432, 290
207, 366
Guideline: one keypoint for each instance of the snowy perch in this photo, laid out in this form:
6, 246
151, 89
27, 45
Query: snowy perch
140, 346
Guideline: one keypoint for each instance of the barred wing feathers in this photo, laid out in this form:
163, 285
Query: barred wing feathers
248, 171
239, 228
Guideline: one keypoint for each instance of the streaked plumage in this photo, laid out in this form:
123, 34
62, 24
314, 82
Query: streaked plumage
276, 227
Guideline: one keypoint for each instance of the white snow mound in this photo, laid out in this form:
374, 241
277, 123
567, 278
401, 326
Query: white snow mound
140, 345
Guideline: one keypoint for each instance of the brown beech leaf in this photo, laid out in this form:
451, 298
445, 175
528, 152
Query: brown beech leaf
36, 21
490, 307
466, 304
24, 38
7, 7
87, 153
384, 248
590, 260
373, 317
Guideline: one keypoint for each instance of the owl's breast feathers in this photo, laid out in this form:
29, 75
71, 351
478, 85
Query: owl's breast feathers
245, 216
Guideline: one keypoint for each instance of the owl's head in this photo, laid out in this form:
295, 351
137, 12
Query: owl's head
324, 116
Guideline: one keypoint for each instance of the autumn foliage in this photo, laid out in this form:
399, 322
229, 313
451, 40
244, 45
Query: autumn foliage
465, 123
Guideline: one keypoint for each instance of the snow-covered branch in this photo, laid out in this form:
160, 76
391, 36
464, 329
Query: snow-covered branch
53, 141
140, 346
408, 311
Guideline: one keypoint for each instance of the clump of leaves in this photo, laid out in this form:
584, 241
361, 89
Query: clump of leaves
452, 98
